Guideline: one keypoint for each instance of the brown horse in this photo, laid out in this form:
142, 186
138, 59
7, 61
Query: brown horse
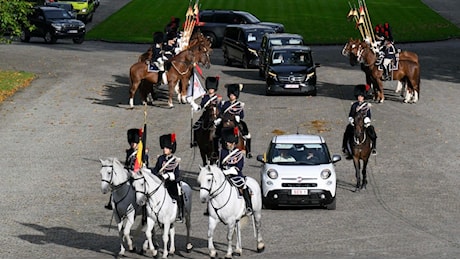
179, 69
403, 55
360, 149
204, 136
408, 71
231, 123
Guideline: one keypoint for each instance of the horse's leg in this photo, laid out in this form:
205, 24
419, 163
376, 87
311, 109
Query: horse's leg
184, 85
127, 231
238, 247
149, 235
211, 226
257, 217
171, 85
364, 171
120, 234
188, 223
399, 86
357, 165
230, 230
166, 229
172, 234
132, 90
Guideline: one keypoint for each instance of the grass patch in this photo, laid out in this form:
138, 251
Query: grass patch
319, 22
11, 81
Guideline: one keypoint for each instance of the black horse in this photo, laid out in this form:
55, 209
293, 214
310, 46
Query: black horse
361, 150
204, 135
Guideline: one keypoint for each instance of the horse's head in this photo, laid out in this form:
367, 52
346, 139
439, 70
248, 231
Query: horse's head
352, 48
210, 179
210, 114
358, 125
113, 174
146, 185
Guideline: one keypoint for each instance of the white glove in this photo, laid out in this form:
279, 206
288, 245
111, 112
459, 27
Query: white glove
189, 99
231, 171
367, 121
165, 176
237, 119
351, 120
217, 121
195, 106
169, 175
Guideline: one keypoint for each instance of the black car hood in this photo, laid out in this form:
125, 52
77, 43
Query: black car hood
74, 22
276, 26
286, 70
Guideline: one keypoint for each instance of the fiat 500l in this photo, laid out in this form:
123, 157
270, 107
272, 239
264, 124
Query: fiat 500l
298, 170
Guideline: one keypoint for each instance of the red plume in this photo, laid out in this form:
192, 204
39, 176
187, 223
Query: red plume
235, 131
140, 132
173, 137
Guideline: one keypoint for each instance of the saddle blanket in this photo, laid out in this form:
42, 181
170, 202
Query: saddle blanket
152, 68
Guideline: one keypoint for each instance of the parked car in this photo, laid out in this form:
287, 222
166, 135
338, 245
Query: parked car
241, 43
66, 6
275, 39
53, 23
290, 70
212, 23
85, 9
298, 170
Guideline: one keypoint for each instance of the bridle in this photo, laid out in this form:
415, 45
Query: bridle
359, 137
148, 195
112, 172
213, 194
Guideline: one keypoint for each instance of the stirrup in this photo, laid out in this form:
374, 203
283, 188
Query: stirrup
108, 206
374, 152
249, 211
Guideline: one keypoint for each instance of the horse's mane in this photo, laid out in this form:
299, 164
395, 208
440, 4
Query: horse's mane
206, 169
149, 176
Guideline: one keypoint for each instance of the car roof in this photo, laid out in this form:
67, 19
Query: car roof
291, 47
250, 26
298, 139
223, 11
284, 35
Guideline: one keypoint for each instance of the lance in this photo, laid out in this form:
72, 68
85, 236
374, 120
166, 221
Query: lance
370, 22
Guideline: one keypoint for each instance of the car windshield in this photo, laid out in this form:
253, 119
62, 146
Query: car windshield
299, 154
291, 57
57, 14
256, 35
251, 18
285, 41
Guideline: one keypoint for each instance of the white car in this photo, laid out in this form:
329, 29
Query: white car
298, 170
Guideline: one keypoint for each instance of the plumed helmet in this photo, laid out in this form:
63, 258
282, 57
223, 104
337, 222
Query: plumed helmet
134, 135
212, 83
171, 35
158, 37
168, 141
234, 89
360, 90
230, 134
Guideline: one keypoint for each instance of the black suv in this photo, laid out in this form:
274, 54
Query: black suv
53, 23
290, 70
241, 43
212, 23
275, 39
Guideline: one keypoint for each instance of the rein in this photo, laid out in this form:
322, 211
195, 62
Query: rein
115, 188
150, 195
215, 193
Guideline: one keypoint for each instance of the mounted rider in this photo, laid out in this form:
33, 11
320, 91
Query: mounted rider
363, 107
210, 98
233, 109
232, 162
387, 53
134, 136
167, 168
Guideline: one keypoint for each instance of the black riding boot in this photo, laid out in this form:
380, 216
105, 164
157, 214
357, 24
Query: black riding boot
248, 148
373, 135
215, 143
109, 205
247, 199
180, 209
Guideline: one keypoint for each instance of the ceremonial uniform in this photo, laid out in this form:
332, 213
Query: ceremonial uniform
389, 58
359, 106
210, 98
167, 167
234, 110
231, 162
156, 62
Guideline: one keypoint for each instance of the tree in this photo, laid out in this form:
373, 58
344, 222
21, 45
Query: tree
13, 18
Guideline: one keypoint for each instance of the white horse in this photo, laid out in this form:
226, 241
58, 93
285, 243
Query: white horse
115, 177
227, 206
161, 208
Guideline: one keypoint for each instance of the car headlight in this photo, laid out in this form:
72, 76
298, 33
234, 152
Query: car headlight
272, 174
254, 52
57, 26
309, 76
325, 174
84, 10
272, 75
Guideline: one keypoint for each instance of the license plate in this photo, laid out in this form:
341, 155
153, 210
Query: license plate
73, 31
291, 86
299, 192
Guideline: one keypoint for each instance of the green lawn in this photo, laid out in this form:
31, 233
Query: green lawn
11, 81
318, 21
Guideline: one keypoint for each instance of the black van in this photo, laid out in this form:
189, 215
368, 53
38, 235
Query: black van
242, 42
275, 39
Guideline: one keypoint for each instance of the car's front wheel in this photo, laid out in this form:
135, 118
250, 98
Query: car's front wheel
25, 36
78, 40
332, 205
49, 38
